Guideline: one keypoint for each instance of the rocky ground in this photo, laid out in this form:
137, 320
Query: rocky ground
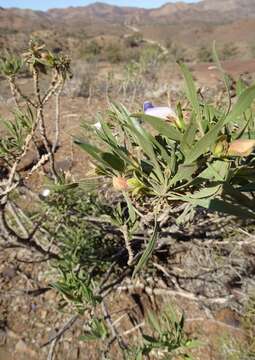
198, 263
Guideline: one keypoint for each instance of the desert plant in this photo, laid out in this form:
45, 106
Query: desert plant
114, 53
204, 157
26, 128
92, 51
199, 162
169, 338
134, 40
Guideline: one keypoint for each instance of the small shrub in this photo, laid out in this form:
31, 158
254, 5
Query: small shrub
228, 51
204, 54
114, 53
92, 51
134, 40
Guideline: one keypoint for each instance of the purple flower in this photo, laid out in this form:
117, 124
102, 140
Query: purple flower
163, 112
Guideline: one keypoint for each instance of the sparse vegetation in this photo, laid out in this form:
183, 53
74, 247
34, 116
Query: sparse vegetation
138, 229
204, 54
229, 51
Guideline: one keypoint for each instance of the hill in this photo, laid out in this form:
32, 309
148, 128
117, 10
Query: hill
190, 25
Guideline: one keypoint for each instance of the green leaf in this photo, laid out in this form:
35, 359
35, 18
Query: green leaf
115, 162
161, 126
131, 208
184, 172
90, 149
145, 143
148, 251
153, 321
225, 76
206, 192
240, 87
89, 337
243, 103
192, 94
203, 145
139, 356
188, 137
63, 187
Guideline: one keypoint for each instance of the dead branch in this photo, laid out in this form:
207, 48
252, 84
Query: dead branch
61, 332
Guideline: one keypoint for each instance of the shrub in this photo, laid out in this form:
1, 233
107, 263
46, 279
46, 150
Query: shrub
81, 82
92, 50
134, 40
204, 54
228, 51
114, 53
190, 162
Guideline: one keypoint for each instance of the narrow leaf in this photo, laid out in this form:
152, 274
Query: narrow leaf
148, 251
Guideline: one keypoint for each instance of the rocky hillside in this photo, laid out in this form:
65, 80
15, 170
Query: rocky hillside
207, 10
186, 22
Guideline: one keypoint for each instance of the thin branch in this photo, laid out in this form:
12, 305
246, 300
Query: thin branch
137, 327
52, 349
15, 90
112, 327
57, 119
124, 230
11, 236
170, 292
61, 332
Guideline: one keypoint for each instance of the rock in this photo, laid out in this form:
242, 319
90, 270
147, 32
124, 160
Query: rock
28, 161
228, 317
64, 165
9, 272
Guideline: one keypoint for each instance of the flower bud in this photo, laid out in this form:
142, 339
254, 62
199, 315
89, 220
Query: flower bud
221, 146
241, 147
120, 183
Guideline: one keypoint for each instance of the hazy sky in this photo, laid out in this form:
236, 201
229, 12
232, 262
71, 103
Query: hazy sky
46, 4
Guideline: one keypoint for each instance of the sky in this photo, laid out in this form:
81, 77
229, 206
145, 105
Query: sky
46, 4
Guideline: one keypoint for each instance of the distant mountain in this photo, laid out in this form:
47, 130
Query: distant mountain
220, 19
207, 10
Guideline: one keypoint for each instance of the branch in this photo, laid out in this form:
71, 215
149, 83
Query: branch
10, 235
64, 328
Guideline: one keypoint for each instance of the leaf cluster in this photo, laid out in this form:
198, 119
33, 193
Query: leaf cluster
185, 160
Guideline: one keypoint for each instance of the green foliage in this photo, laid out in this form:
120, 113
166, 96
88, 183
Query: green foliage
16, 130
168, 337
85, 252
182, 161
92, 50
151, 57
10, 65
134, 40
147, 252
114, 53
97, 330
40, 59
